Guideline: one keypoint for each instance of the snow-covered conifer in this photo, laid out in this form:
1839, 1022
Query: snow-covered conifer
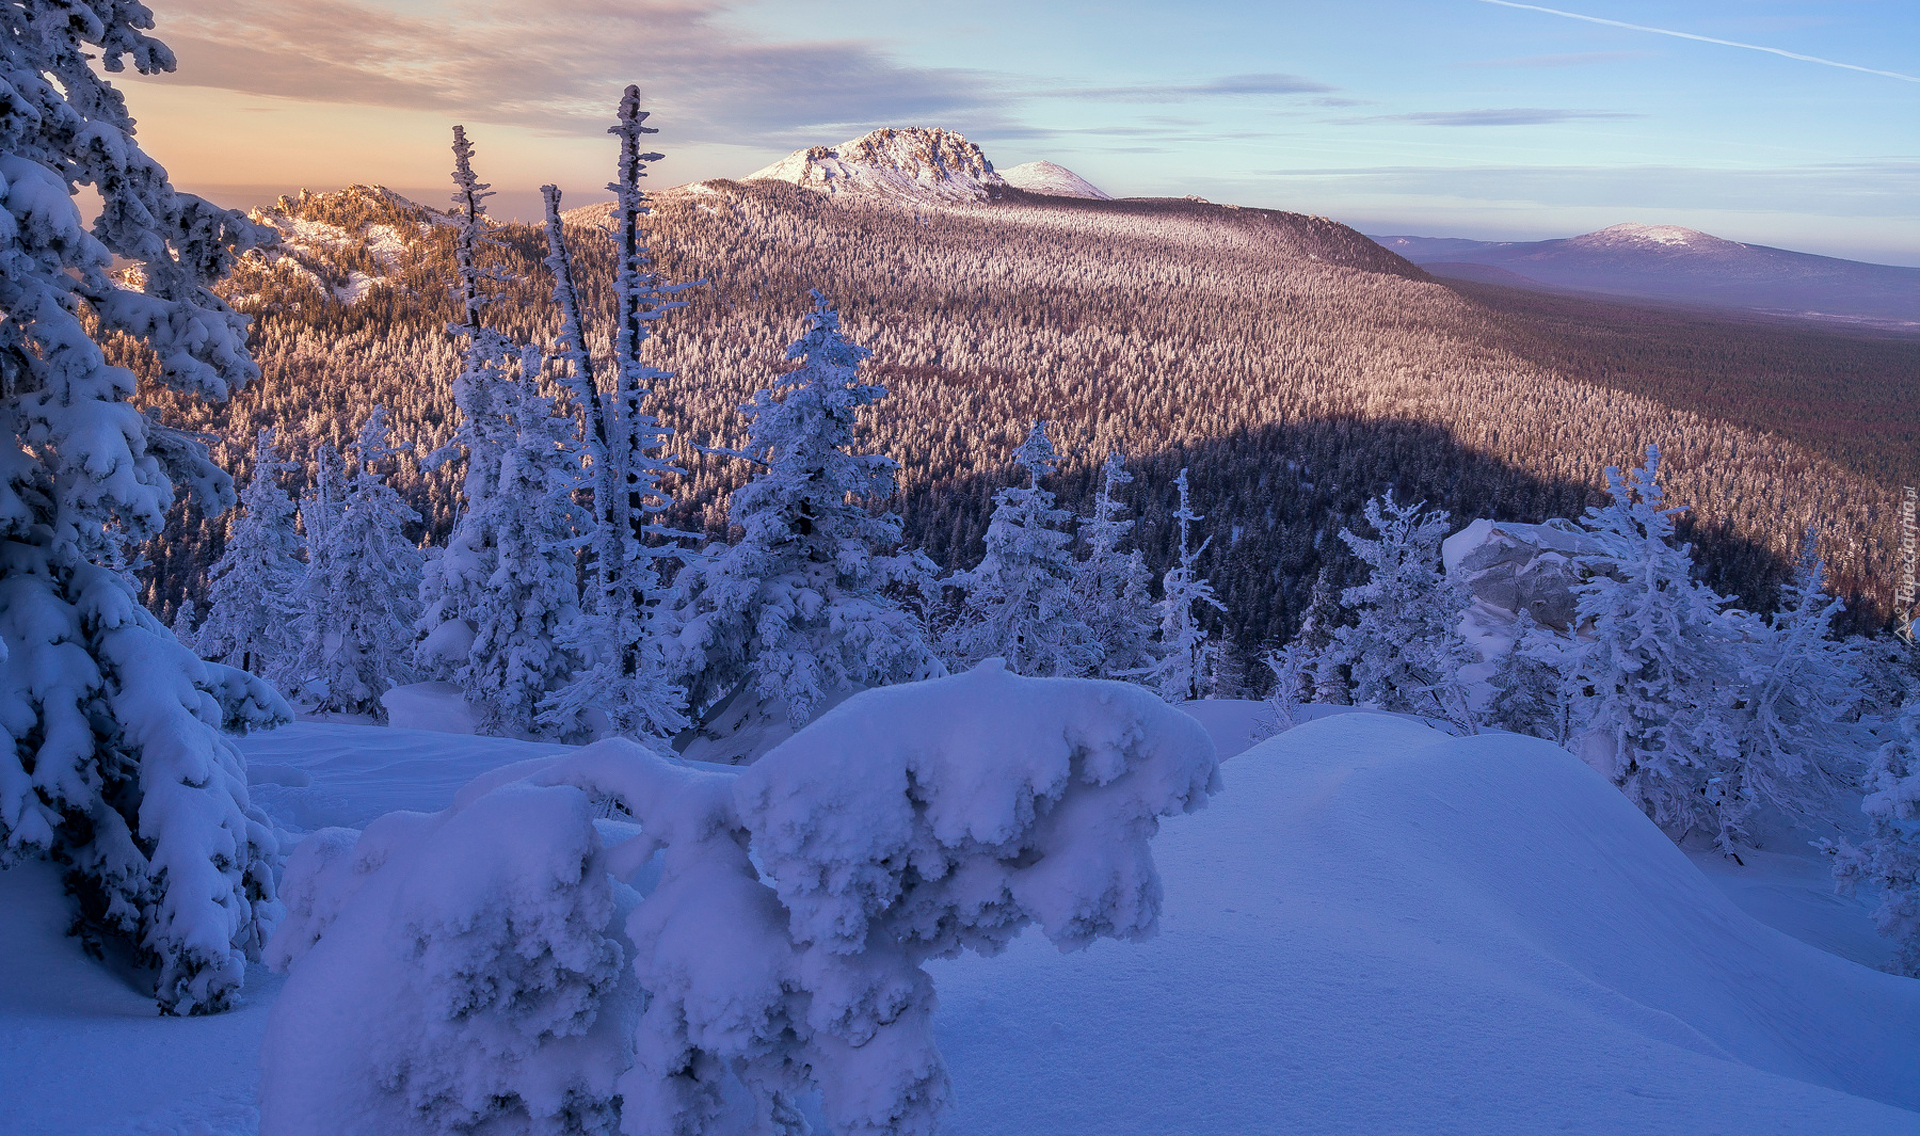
1111, 586
1889, 859
1404, 651
114, 765
362, 588
1186, 657
453, 584
529, 608
624, 445
1018, 602
1529, 682
254, 604
804, 606
1797, 687
1650, 680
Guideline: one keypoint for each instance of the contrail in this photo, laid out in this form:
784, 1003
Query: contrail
1705, 39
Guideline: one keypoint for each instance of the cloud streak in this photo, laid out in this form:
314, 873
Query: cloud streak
1508, 116
1783, 53
1227, 86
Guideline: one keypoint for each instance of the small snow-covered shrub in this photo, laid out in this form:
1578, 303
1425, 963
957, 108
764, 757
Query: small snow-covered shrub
452, 976
780, 948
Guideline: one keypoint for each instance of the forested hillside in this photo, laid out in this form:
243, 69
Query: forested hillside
1293, 366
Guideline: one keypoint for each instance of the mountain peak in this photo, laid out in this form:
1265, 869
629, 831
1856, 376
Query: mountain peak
1052, 180
1672, 236
910, 161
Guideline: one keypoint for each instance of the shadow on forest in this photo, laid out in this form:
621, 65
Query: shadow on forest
1275, 498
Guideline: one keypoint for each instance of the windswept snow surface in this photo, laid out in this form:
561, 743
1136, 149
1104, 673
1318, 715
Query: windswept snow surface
1379, 929
1376, 929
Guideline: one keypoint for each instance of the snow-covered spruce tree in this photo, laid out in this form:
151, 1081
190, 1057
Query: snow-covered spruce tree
624, 448
453, 584
1111, 586
1186, 657
1404, 651
1529, 683
1018, 602
781, 947
1889, 859
805, 606
529, 609
254, 599
362, 588
1798, 686
115, 766
1650, 681
1327, 673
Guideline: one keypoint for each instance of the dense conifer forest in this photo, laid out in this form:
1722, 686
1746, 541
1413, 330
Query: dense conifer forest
1292, 366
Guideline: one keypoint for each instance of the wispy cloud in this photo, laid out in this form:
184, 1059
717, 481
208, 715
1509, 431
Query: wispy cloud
1508, 116
560, 68
1227, 86
1782, 52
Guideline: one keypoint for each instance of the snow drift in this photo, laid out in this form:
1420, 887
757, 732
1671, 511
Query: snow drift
1385, 930
460, 971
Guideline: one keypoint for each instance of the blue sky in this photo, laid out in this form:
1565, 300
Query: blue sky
1437, 117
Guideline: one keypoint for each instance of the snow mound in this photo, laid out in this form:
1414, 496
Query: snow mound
1380, 930
1052, 180
1668, 237
907, 162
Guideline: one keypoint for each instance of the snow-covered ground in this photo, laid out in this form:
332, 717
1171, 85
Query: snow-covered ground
1375, 929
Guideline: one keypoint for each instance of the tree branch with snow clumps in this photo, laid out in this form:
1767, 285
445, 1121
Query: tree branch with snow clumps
789, 908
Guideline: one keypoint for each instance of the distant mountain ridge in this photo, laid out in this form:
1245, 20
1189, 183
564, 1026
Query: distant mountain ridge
1052, 180
1671, 263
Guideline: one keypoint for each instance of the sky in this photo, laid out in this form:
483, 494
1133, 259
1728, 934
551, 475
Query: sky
1793, 123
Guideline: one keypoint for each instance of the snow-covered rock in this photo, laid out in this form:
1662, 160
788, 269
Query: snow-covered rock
1052, 180
911, 162
1514, 566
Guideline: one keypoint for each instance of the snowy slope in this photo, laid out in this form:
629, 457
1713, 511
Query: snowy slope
1378, 930
1052, 180
911, 162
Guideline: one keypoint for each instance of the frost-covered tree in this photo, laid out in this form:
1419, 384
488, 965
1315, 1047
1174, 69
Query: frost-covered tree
805, 606
1650, 680
1404, 651
1529, 682
1292, 667
529, 609
1889, 859
1018, 602
362, 588
115, 766
623, 444
254, 603
454, 583
1797, 687
1111, 586
790, 908
1186, 657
